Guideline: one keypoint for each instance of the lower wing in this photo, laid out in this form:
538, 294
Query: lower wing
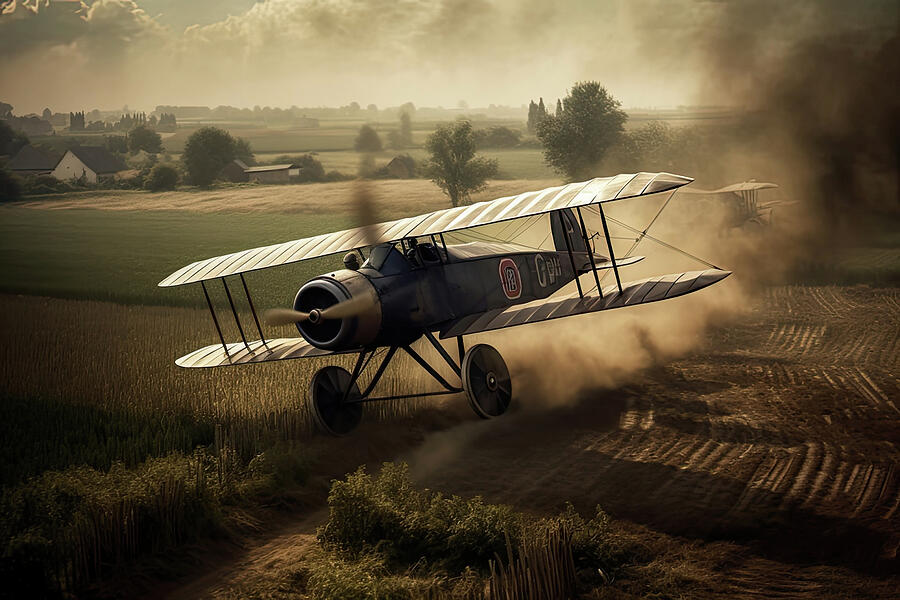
643, 291
217, 355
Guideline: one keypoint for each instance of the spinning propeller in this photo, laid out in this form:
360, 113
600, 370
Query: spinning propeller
341, 310
366, 217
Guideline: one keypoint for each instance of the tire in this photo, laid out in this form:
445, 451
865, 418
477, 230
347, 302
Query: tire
332, 413
486, 381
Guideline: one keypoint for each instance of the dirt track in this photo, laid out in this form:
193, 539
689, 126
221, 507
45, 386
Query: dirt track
780, 443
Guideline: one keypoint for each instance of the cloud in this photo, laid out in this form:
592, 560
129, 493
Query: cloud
104, 26
313, 52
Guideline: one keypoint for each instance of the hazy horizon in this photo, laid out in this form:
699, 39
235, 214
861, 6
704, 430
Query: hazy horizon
648, 53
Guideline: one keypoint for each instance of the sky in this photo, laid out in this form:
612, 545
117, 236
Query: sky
649, 53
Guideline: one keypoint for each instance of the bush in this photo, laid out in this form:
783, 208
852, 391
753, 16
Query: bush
10, 186
45, 184
381, 525
161, 177
387, 514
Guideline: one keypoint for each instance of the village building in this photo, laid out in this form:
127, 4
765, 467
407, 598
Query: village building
401, 167
272, 173
31, 161
235, 171
90, 162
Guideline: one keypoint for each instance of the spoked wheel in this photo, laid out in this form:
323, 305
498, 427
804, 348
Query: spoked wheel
485, 379
332, 412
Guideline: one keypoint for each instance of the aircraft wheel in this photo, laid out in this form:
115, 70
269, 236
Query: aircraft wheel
486, 382
326, 401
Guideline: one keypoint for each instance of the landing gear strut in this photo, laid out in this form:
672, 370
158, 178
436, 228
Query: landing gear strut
336, 401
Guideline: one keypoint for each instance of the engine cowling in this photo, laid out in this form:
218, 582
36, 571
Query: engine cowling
321, 292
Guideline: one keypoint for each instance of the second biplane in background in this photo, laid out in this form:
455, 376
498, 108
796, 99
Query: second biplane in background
411, 283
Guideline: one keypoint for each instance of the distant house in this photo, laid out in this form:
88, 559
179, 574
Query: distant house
92, 162
272, 173
305, 122
31, 161
235, 171
401, 167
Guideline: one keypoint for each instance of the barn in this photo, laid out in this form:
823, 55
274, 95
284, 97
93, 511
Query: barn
31, 161
235, 171
92, 162
272, 173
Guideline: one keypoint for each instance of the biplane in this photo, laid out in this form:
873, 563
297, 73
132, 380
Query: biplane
403, 281
741, 200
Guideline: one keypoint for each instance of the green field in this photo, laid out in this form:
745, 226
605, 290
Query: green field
514, 163
122, 255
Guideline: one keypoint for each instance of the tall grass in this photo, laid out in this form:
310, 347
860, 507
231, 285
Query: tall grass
110, 450
94, 383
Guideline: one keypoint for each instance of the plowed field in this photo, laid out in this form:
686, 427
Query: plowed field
783, 437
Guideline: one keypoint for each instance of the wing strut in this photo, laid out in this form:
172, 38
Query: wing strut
234, 312
215, 319
571, 256
590, 251
253, 310
612, 255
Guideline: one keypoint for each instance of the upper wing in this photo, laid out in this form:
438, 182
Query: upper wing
661, 287
601, 189
215, 355
747, 186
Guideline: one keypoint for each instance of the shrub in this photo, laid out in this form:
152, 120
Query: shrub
45, 184
162, 177
388, 514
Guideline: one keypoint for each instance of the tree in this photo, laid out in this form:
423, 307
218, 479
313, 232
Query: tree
11, 140
144, 138
497, 137
10, 186
243, 151
161, 177
558, 107
576, 140
206, 153
367, 140
405, 129
536, 114
5, 110
452, 164
116, 143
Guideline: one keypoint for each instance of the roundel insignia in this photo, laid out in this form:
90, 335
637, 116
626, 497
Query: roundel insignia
510, 278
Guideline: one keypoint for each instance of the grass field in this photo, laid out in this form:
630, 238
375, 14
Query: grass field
514, 163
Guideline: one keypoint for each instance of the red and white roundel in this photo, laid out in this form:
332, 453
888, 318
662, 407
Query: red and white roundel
510, 278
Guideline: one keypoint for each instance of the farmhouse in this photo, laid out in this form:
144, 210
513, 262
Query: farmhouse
31, 161
272, 173
92, 162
